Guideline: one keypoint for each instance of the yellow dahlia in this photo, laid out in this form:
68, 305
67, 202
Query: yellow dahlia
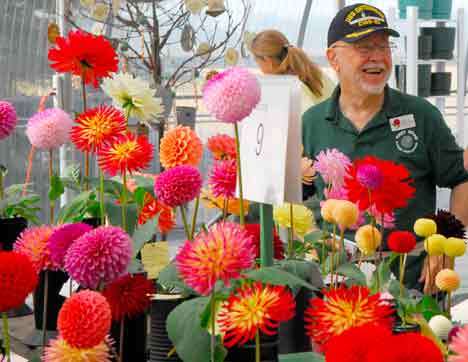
368, 239
425, 227
434, 244
302, 218
454, 247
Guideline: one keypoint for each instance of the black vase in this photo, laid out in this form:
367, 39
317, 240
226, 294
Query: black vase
10, 230
292, 334
400, 328
160, 344
55, 300
268, 350
135, 333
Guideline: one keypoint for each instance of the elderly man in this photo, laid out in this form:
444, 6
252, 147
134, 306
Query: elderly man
365, 116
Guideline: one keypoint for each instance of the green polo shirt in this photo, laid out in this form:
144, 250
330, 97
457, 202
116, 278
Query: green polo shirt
408, 130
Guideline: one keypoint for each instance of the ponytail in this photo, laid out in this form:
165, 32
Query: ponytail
291, 60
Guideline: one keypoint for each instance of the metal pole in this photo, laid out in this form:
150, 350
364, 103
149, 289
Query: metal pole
340, 4
304, 21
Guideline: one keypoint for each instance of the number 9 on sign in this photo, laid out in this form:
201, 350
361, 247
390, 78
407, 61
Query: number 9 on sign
260, 133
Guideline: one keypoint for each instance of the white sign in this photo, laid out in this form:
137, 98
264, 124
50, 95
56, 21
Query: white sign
271, 143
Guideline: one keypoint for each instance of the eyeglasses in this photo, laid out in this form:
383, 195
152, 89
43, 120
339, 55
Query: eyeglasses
366, 49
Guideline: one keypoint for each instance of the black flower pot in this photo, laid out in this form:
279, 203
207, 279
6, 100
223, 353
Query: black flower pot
55, 300
425, 47
292, 334
135, 334
268, 350
160, 344
10, 230
443, 41
92, 221
441, 83
406, 328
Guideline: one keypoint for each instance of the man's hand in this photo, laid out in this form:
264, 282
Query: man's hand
432, 266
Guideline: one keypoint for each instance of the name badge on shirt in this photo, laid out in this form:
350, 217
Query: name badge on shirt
402, 122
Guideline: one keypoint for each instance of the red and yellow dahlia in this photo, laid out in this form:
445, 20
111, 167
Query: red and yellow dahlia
127, 153
86, 55
97, 126
254, 307
153, 207
222, 146
219, 254
343, 308
380, 183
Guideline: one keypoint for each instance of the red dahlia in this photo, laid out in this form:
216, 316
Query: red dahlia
86, 55
392, 191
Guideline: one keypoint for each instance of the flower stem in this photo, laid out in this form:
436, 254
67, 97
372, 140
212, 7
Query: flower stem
101, 197
83, 93
184, 220
449, 304
51, 172
1, 185
401, 275
257, 346
213, 325
124, 200
239, 173
291, 232
332, 256
121, 340
194, 217
225, 208
28, 170
429, 273
44, 309
6, 336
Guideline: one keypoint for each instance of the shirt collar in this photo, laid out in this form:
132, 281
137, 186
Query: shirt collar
392, 105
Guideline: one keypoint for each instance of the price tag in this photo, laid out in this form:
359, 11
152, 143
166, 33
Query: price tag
271, 143
155, 256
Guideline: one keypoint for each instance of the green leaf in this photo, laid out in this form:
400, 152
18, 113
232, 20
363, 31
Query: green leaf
139, 196
75, 209
353, 272
192, 342
135, 267
429, 307
306, 270
143, 234
382, 275
114, 212
169, 279
275, 276
56, 188
301, 357
313, 237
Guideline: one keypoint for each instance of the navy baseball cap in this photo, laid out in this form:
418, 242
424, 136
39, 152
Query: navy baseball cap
355, 22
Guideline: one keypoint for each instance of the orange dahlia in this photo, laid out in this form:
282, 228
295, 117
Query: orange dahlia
254, 307
97, 126
180, 146
60, 351
128, 153
222, 146
219, 254
343, 308
153, 207
86, 55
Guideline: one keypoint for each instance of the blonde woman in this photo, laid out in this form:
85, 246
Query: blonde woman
274, 54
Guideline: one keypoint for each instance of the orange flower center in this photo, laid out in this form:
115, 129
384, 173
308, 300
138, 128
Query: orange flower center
123, 151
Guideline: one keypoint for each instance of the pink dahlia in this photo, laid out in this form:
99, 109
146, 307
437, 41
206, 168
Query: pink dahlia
32, 242
459, 346
332, 165
219, 254
8, 119
178, 185
49, 129
99, 256
84, 319
62, 238
369, 176
230, 96
223, 178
